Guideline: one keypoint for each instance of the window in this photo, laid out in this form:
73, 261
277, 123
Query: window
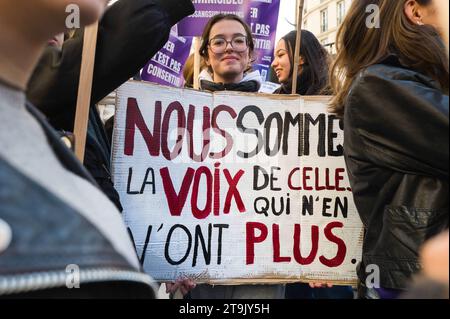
324, 20
340, 12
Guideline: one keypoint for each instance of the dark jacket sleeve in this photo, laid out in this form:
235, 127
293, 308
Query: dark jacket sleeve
401, 118
130, 33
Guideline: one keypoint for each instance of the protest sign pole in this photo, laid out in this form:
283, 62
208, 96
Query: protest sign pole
297, 45
197, 58
85, 89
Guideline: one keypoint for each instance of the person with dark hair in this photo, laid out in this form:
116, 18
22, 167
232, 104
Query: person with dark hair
391, 84
312, 79
54, 83
227, 50
63, 206
313, 66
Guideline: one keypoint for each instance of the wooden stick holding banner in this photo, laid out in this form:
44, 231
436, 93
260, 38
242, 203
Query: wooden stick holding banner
197, 62
297, 45
85, 89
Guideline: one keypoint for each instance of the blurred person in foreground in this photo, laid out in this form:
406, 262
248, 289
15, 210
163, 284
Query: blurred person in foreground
130, 33
390, 80
56, 217
433, 282
54, 220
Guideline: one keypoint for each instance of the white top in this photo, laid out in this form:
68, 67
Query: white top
25, 147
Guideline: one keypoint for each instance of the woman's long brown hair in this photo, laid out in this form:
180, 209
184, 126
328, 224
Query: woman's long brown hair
359, 46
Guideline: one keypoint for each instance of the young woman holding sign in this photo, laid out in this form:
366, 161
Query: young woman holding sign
228, 53
391, 83
141, 27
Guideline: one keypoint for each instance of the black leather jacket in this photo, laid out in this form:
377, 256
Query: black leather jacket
397, 152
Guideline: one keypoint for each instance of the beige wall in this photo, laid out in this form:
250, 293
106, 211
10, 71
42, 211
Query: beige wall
311, 19
443, 18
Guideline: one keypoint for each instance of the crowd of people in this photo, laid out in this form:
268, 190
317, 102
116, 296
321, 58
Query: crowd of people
389, 84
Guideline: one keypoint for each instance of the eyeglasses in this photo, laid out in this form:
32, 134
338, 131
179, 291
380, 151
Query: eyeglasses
219, 45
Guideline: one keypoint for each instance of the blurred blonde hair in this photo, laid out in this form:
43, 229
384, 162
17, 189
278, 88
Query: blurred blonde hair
188, 70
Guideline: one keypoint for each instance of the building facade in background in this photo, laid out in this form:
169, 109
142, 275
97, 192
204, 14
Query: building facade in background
323, 18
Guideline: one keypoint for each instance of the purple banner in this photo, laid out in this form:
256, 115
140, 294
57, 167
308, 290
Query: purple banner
193, 25
261, 15
166, 67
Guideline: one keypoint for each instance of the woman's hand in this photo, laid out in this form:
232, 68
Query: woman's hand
184, 285
320, 285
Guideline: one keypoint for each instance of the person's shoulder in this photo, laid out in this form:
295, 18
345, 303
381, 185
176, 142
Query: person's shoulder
383, 84
388, 79
391, 71
376, 81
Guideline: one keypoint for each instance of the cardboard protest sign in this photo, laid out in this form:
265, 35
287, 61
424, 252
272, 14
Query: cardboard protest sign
235, 188
166, 67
